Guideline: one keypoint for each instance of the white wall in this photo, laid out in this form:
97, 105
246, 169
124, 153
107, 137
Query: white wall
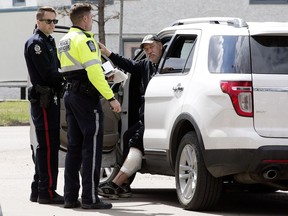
54, 3
13, 66
9, 3
12, 41
5, 4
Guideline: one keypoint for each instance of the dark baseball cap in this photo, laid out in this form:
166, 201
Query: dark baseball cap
148, 39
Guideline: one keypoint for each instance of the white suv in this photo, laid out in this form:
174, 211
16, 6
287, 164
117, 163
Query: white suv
215, 113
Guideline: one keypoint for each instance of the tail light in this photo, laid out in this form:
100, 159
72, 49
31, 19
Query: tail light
240, 93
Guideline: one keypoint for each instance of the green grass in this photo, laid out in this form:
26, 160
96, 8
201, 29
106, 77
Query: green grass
14, 113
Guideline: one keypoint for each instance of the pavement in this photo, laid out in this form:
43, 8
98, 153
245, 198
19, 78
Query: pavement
16, 171
153, 195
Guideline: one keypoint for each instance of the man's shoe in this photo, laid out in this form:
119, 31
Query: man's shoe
99, 205
113, 191
124, 191
108, 190
76, 204
57, 199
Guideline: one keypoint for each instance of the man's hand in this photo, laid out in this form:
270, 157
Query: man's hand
104, 50
110, 78
115, 105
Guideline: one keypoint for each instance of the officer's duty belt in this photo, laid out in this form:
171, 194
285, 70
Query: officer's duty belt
81, 87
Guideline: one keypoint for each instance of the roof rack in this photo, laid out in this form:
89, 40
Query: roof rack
236, 22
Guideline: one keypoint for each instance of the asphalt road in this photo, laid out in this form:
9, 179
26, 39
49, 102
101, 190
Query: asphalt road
152, 195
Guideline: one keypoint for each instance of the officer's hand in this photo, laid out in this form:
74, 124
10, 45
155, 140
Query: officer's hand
115, 105
104, 50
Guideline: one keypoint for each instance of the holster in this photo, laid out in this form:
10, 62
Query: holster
32, 96
45, 95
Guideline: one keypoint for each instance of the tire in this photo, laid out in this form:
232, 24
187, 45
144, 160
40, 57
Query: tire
196, 188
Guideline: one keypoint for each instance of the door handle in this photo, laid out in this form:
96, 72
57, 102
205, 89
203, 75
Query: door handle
178, 88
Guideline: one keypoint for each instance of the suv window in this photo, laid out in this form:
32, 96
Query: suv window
229, 54
269, 54
179, 57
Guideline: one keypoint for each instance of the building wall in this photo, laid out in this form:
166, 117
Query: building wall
140, 17
143, 16
9, 3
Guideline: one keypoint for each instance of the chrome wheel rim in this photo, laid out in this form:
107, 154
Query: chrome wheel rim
187, 173
105, 173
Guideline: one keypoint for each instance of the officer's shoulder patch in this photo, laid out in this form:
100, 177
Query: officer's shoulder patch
91, 45
37, 49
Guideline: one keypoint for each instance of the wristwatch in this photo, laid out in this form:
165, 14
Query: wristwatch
112, 99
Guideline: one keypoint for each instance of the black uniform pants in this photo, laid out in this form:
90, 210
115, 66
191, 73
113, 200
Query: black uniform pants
47, 128
84, 117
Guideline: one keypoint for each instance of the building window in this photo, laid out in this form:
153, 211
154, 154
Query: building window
268, 1
107, 2
19, 2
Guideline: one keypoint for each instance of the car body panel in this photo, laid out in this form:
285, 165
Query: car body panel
270, 105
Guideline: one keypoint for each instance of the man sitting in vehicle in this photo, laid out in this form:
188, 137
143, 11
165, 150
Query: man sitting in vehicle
145, 69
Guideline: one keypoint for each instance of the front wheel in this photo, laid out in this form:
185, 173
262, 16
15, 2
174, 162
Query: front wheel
107, 174
196, 188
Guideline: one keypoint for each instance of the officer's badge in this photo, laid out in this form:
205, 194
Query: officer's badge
91, 45
37, 49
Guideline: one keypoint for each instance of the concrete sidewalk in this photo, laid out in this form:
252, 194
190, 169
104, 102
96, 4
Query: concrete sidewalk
17, 168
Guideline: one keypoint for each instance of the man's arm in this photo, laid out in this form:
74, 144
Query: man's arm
125, 64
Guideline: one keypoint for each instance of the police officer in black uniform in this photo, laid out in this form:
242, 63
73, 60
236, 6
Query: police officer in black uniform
42, 63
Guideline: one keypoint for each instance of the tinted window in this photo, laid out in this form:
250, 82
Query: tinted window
19, 2
269, 54
229, 54
179, 56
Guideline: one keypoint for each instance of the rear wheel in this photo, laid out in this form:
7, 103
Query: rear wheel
196, 188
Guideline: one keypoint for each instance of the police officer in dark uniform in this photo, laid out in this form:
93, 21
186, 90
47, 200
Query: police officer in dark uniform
42, 63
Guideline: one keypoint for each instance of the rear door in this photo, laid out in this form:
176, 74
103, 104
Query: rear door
269, 57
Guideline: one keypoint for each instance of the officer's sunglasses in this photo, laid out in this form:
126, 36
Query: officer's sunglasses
49, 21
